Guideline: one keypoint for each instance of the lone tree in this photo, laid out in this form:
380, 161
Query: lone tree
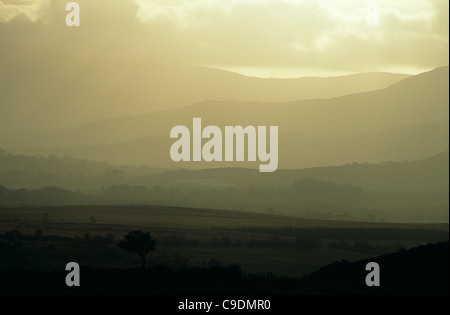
138, 242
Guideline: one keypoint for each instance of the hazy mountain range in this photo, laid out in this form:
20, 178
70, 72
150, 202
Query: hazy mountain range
43, 99
406, 121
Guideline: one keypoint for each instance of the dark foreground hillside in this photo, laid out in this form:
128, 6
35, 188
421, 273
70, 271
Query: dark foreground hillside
420, 270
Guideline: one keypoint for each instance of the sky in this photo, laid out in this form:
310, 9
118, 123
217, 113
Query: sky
265, 38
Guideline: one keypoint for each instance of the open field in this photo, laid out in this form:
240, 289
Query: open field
259, 243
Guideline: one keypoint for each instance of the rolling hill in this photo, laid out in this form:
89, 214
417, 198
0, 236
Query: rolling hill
429, 174
19, 171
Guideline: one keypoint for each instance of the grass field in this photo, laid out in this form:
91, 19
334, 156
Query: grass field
259, 243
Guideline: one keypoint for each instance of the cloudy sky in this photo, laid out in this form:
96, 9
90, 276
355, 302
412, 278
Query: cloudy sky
279, 38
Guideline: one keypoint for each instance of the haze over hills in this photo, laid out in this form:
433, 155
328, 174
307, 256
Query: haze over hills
422, 175
19, 171
295, 149
100, 99
107, 88
409, 191
408, 120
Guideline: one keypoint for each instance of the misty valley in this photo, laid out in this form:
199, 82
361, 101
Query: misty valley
408, 191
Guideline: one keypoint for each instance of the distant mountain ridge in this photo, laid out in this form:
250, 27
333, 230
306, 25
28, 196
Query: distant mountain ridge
62, 96
419, 99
